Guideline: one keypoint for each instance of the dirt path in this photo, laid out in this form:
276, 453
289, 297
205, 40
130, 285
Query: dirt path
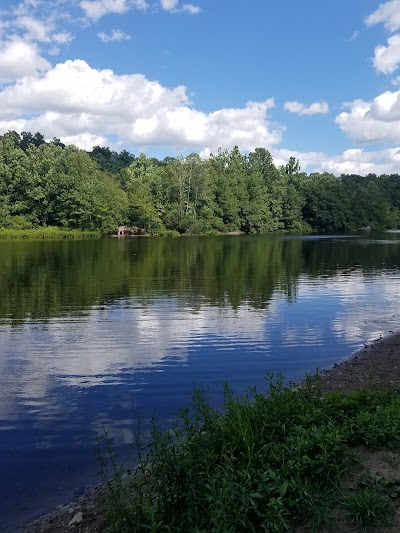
377, 365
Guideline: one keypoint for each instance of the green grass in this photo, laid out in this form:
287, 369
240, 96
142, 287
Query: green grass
264, 462
368, 508
50, 232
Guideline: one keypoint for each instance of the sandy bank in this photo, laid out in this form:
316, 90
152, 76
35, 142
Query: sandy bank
376, 365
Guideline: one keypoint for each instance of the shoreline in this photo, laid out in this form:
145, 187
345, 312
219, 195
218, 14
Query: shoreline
377, 365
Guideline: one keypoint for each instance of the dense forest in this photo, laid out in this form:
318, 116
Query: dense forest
50, 184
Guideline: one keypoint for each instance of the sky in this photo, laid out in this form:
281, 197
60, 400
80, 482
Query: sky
312, 79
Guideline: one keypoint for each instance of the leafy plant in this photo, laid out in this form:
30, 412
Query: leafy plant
263, 462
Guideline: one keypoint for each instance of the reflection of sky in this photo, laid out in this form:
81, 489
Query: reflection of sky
110, 344
64, 380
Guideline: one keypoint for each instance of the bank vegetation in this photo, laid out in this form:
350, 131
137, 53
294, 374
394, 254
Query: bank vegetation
47, 184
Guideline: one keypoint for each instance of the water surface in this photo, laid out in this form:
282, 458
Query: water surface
98, 334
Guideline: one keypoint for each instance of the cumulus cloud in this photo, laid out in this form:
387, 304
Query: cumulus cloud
75, 99
86, 141
19, 58
351, 161
115, 35
302, 109
308, 160
358, 161
387, 13
375, 121
85, 106
387, 58
95, 9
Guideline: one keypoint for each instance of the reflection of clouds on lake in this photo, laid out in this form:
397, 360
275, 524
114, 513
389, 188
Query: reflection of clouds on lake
110, 343
119, 432
304, 336
367, 306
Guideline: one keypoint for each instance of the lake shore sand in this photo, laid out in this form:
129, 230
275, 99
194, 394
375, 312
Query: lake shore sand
374, 366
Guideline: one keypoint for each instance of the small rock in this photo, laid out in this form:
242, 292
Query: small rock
78, 519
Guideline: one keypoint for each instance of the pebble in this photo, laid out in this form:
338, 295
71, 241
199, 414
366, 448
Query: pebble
77, 519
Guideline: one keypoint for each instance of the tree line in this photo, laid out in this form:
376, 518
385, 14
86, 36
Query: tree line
51, 184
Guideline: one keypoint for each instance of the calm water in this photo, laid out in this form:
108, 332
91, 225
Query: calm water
99, 334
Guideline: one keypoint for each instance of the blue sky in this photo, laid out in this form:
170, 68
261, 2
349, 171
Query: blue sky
316, 80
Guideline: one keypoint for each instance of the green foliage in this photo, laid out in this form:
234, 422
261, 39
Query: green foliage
368, 509
327, 207
109, 161
20, 231
264, 462
54, 184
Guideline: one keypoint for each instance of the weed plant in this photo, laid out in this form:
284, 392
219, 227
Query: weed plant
49, 232
264, 462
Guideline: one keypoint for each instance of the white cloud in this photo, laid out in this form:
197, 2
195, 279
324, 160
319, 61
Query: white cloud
374, 121
34, 22
173, 6
354, 35
95, 9
168, 5
191, 9
85, 106
19, 58
351, 161
54, 51
63, 37
308, 160
74, 99
387, 13
40, 31
36, 30
116, 35
86, 141
357, 161
387, 58
301, 109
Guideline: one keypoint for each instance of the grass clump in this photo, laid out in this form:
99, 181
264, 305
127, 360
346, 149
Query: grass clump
264, 462
48, 232
368, 508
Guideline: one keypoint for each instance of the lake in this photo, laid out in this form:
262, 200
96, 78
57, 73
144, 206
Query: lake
99, 334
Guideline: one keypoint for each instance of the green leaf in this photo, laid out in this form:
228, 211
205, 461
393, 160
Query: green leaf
283, 488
